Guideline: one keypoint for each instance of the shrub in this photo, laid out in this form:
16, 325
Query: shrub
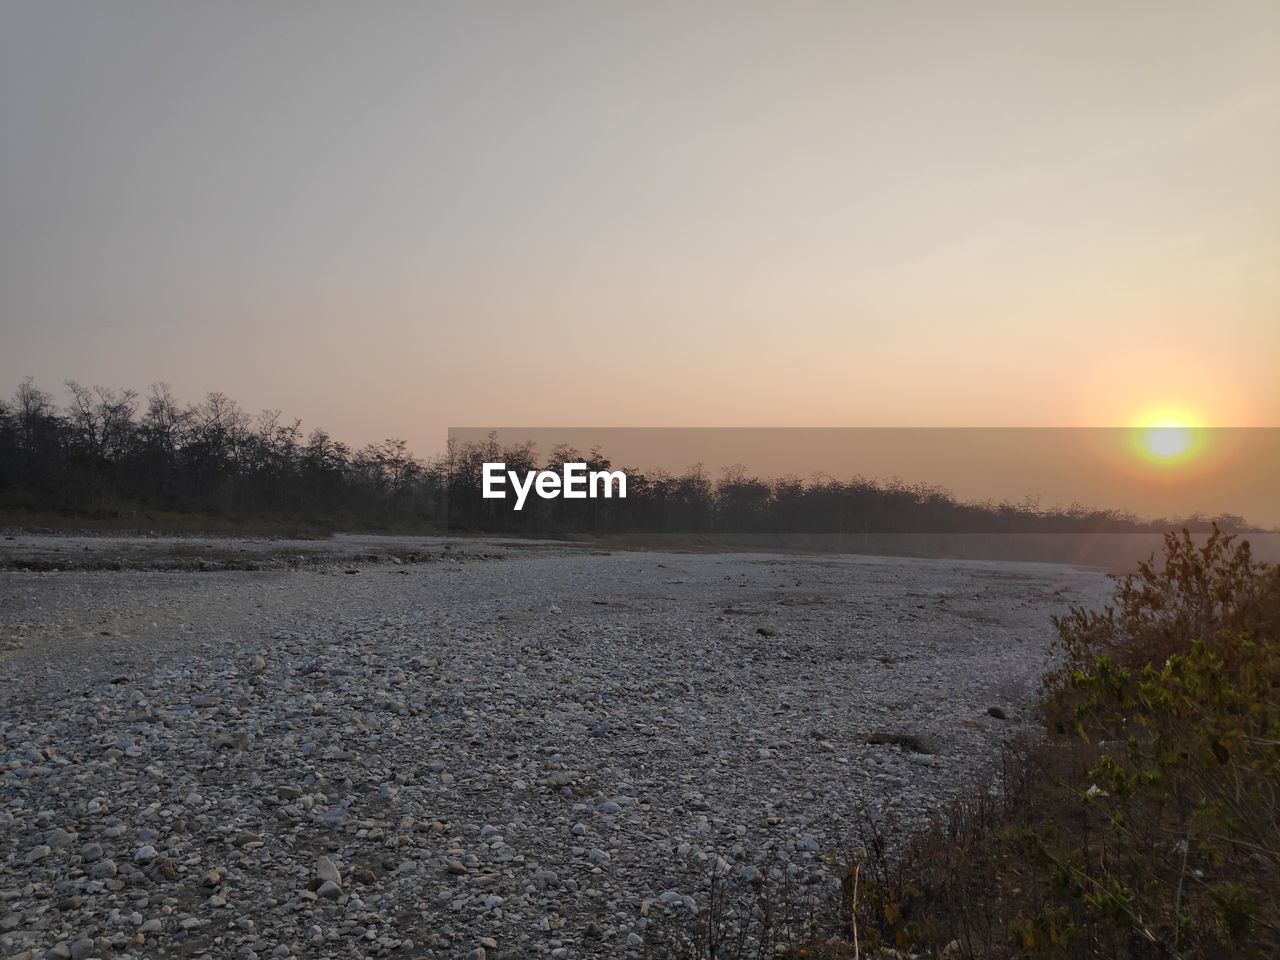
1147, 824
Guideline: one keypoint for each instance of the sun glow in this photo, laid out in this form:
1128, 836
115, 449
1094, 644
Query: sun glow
1167, 438
1168, 442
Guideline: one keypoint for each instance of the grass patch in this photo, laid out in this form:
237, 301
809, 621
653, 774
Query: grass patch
906, 741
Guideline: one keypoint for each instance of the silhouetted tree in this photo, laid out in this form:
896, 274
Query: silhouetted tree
102, 455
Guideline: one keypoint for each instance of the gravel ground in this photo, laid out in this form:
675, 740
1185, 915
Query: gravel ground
491, 752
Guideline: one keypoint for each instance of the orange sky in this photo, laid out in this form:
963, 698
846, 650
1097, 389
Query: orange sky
395, 218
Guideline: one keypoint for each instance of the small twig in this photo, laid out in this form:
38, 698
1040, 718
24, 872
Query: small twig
1245, 843
854, 913
1177, 897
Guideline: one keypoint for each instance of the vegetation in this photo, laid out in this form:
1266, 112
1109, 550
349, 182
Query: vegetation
1148, 823
111, 456
114, 459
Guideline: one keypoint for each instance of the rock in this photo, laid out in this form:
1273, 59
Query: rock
82, 949
326, 870
145, 854
329, 891
38, 853
103, 870
996, 712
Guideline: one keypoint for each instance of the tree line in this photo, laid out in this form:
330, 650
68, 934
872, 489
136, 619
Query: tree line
116, 453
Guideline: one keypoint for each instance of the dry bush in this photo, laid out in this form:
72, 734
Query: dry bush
1148, 824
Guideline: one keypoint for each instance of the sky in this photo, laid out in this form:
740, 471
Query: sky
389, 219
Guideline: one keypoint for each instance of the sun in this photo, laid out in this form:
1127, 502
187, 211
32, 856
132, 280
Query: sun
1167, 438
1167, 442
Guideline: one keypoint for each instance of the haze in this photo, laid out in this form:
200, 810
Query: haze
390, 218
